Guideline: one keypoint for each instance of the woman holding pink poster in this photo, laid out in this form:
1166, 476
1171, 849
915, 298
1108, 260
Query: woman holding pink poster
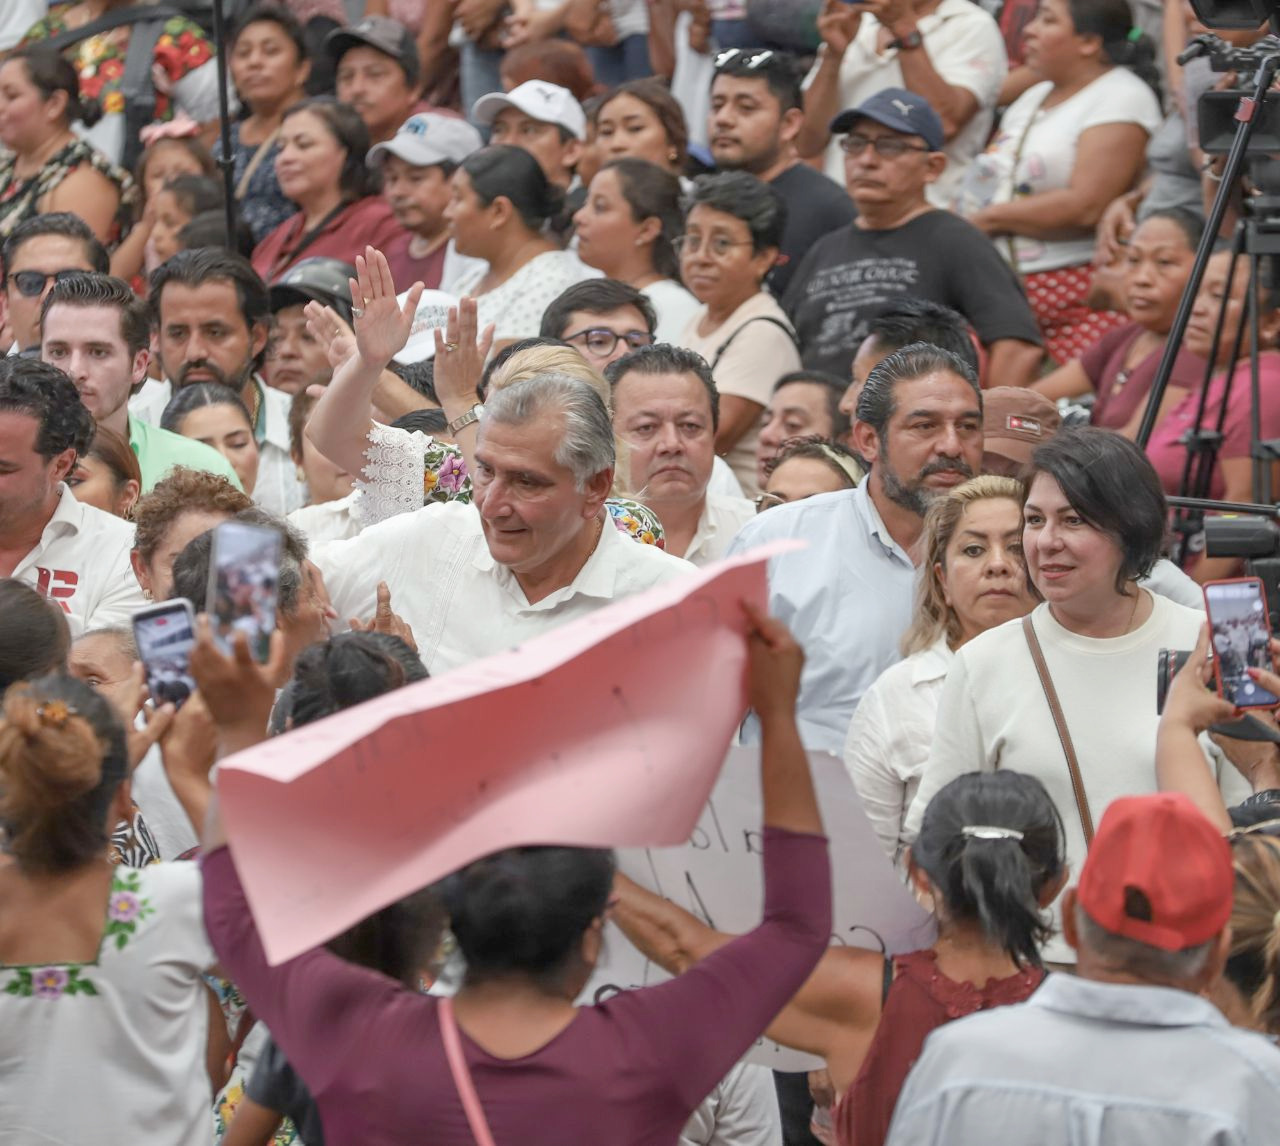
511, 1057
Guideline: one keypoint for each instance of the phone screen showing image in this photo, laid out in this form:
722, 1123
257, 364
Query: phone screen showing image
164, 635
244, 579
1241, 636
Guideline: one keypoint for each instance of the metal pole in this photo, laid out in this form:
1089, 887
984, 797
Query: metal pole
227, 161
1247, 118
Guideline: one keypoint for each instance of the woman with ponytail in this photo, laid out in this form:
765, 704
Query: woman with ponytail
49, 167
628, 228
990, 857
499, 205
1065, 149
103, 1015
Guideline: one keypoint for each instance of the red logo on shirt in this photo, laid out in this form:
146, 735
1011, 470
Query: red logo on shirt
57, 584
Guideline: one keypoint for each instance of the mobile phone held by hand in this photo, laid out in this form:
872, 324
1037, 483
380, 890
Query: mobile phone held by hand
1240, 631
244, 582
164, 634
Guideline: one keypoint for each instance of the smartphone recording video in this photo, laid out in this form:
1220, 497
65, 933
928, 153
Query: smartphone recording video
244, 579
1241, 636
164, 634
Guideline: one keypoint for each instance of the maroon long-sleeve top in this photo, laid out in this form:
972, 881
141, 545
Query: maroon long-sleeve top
627, 1071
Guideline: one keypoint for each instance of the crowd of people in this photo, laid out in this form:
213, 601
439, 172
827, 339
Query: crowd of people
473, 318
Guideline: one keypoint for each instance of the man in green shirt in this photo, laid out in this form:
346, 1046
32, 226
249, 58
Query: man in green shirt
97, 331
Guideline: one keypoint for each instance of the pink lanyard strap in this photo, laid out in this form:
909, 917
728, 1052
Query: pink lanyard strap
462, 1076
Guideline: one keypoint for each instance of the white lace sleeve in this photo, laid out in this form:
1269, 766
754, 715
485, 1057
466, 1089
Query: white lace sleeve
404, 470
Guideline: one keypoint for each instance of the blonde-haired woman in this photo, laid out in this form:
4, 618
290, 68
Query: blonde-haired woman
972, 578
398, 471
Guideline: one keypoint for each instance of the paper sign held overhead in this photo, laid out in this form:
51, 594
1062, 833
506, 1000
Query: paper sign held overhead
607, 731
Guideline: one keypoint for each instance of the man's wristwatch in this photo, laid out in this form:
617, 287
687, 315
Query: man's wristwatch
463, 420
911, 40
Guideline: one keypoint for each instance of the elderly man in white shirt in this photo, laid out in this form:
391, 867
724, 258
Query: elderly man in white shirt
666, 409
74, 554
213, 317
536, 549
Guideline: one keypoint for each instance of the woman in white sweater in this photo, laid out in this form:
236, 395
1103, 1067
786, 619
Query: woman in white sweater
1093, 524
972, 578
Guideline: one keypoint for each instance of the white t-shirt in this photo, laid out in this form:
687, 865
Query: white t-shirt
515, 307
993, 714
749, 367
328, 521
741, 1111
890, 737
966, 49
460, 603
82, 563
673, 305
1043, 144
113, 1051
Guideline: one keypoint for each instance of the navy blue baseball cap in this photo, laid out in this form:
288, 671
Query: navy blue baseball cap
898, 110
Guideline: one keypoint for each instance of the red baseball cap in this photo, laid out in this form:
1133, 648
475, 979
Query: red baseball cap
1162, 851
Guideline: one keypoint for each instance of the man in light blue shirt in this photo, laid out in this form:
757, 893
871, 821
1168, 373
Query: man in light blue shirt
847, 596
1129, 1053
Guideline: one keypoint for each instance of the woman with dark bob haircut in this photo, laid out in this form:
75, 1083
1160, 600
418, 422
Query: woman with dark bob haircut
730, 242
529, 922
1093, 523
321, 169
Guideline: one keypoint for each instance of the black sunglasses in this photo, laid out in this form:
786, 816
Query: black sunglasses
31, 283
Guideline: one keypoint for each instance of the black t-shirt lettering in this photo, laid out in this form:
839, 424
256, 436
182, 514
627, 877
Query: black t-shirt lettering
851, 275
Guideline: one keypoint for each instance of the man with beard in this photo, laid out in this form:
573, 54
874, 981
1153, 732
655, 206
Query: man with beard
756, 114
213, 316
847, 596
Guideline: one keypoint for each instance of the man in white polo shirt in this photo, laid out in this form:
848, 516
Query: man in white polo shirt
544, 119
536, 550
96, 330
666, 408
74, 554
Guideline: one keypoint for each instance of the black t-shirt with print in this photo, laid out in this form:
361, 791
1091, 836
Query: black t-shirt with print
816, 206
851, 275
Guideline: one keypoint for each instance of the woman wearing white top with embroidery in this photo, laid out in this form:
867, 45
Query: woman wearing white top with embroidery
500, 201
627, 229
103, 1014
972, 578
1065, 149
1093, 524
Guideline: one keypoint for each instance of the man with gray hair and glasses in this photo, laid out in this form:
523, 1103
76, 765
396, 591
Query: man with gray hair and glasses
534, 551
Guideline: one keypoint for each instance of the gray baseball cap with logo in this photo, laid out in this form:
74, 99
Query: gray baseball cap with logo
428, 138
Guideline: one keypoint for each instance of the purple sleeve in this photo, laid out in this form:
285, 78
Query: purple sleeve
319, 1008
723, 1004
1094, 360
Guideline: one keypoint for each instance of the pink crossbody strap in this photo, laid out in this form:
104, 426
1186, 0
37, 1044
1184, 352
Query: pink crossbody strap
462, 1076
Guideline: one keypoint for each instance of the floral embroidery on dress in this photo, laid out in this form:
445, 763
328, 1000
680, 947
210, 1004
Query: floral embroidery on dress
126, 908
100, 59
637, 521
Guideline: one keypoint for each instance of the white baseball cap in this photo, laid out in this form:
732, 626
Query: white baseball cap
539, 100
432, 313
429, 138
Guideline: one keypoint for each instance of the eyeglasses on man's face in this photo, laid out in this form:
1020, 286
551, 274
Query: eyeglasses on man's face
718, 246
600, 341
887, 146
